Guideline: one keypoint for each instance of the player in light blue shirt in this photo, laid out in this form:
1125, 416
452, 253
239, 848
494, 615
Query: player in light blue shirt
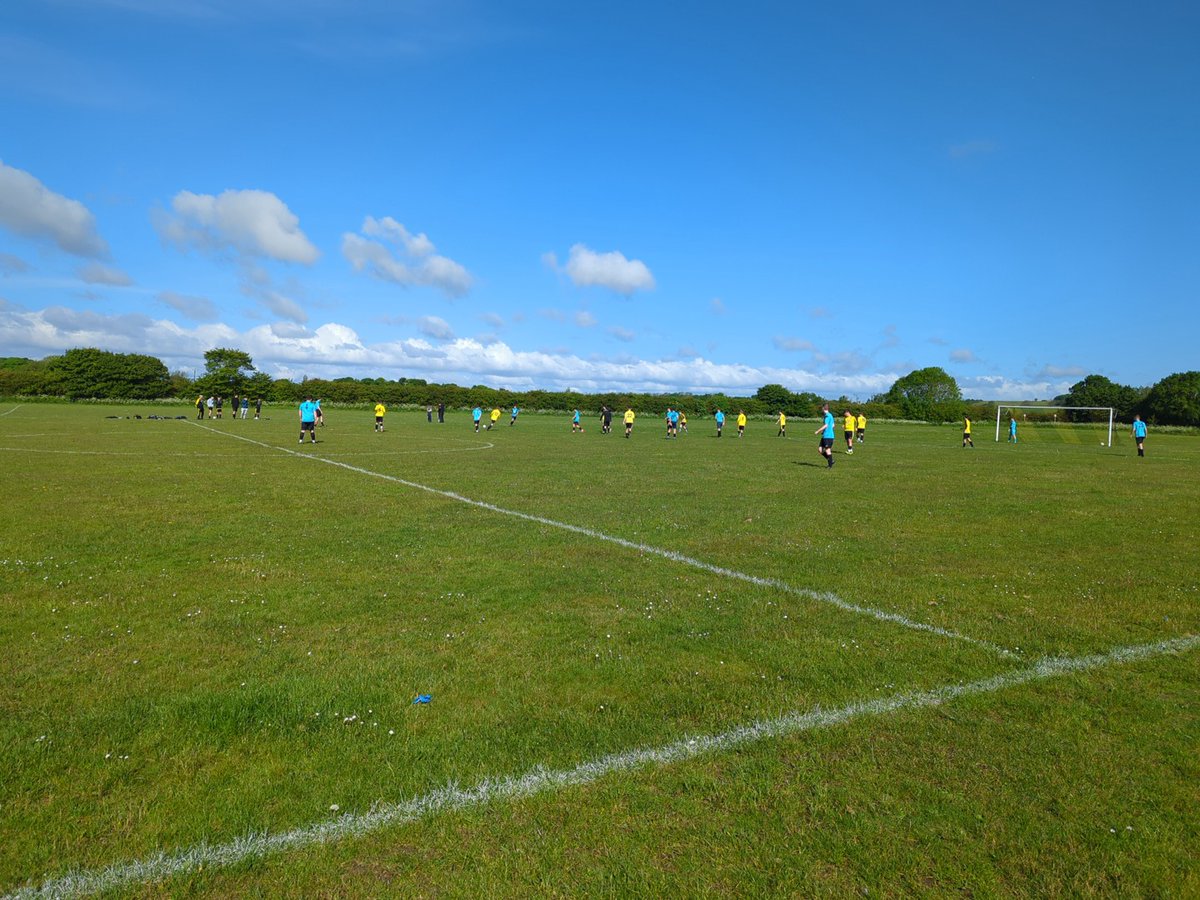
826, 432
720, 417
476, 415
576, 425
308, 419
1012, 430
513, 420
1139, 434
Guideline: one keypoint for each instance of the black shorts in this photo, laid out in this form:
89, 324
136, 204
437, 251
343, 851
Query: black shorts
307, 426
966, 435
826, 443
1139, 437
379, 420
849, 435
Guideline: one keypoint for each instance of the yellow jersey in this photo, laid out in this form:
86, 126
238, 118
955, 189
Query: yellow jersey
495, 415
741, 420
862, 423
849, 423
966, 426
380, 409
782, 420
629, 417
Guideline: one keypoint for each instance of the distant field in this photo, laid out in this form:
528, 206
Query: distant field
964, 672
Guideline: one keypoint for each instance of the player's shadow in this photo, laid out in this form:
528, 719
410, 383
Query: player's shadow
802, 462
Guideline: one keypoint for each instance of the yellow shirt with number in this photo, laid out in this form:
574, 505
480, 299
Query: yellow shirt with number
862, 423
849, 423
380, 409
629, 417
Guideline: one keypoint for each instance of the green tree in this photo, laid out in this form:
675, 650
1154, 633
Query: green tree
1175, 400
89, 372
1096, 390
226, 372
930, 394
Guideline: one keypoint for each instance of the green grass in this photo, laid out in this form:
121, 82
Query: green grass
204, 637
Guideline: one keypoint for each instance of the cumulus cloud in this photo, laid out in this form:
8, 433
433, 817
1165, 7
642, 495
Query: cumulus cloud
32, 210
587, 268
251, 223
792, 344
413, 262
1050, 371
963, 355
198, 309
283, 306
97, 273
435, 327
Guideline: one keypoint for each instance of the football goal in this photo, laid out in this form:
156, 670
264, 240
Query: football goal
1052, 410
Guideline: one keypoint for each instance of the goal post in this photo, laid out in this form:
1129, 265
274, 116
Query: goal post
1000, 407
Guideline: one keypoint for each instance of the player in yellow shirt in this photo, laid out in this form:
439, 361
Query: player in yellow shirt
782, 425
629, 417
862, 428
741, 423
848, 431
493, 419
967, 433
380, 410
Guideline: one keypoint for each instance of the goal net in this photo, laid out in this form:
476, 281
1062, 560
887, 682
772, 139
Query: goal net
1098, 419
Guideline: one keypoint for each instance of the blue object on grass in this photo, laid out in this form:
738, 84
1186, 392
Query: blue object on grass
424, 698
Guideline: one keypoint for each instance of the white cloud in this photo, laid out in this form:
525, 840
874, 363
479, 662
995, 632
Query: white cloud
198, 309
963, 355
792, 345
585, 319
97, 273
12, 265
587, 268
1061, 372
282, 306
389, 229
420, 265
622, 334
252, 223
435, 327
32, 210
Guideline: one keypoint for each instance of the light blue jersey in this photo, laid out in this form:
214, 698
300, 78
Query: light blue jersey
720, 417
477, 414
575, 418
515, 411
1139, 429
308, 411
828, 432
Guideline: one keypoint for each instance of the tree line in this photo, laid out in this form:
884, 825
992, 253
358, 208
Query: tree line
929, 394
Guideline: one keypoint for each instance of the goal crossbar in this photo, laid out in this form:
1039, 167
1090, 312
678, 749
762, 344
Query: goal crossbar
1109, 409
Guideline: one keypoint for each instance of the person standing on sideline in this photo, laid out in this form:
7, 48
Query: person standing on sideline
257, 408
493, 418
245, 407
629, 417
429, 413
441, 413
848, 430
1012, 429
741, 423
862, 428
515, 412
200, 407
476, 415
211, 406
1139, 434
308, 419
825, 448
782, 425
380, 411
236, 405
220, 406
720, 417
967, 442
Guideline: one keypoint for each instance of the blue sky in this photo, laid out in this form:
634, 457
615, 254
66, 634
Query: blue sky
607, 196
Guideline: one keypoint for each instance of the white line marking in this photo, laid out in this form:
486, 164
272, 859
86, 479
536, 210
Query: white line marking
539, 780
11, 411
774, 583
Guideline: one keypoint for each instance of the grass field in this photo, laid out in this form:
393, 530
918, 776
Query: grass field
969, 672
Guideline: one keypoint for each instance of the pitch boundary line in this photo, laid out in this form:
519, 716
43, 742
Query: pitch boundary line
826, 597
539, 780
11, 411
